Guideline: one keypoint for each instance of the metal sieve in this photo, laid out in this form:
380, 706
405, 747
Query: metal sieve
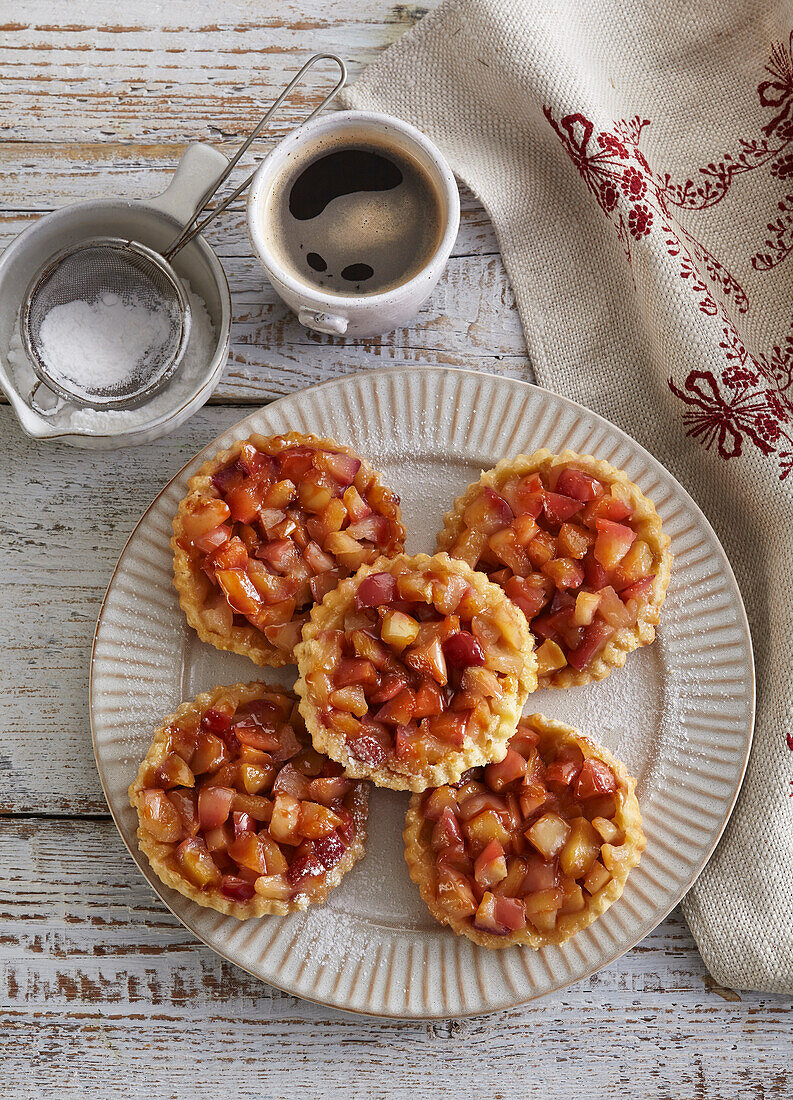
109, 269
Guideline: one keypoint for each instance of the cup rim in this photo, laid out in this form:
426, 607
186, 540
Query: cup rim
331, 301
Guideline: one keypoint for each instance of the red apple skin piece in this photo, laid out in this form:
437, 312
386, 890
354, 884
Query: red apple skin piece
329, 849
376, 590
596, 635
540, 874
304, 866
490, 866
214, 806
531, 595
446, 832
595, 575
463, 649
243, 823
596, 779
559, 508
638, 589
500, 775
227, 477
343, 467
612, 543
488, 513
236, 889
562, 773
509, 912
574, 483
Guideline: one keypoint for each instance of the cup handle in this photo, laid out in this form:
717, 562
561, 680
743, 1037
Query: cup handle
328, 323
198, 169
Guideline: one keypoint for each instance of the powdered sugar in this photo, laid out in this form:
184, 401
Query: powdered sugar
100, 346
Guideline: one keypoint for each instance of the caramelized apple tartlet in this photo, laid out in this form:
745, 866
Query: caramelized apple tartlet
239, 812
414, 670
529, 850
579, 549
268, 527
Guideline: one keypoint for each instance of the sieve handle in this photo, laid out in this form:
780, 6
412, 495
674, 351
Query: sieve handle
198, 169
193, 227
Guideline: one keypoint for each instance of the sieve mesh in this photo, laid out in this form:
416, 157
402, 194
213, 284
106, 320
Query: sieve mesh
103, 270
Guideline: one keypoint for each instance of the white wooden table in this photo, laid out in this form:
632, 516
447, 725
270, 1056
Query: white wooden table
103, 993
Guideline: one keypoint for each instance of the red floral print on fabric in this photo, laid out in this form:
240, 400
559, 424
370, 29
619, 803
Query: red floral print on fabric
752, 400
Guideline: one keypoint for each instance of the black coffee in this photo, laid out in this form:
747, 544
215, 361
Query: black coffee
354, 217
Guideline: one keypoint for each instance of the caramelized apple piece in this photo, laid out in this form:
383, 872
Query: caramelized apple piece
214, 806
284, 820
597, 878
399, 630
485, 827
550, 658
196, 863
490, 866
173, 772
273, 887
159, 817
316, 821
548, 834
581, 849
612, 543
511, 768
248, 851
453, 890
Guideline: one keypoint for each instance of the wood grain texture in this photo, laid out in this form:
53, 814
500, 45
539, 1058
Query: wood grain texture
111, 980
103, 992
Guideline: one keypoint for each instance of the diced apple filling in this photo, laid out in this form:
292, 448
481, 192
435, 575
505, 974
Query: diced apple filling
523, 842
561, 544
281, 532
246, 804
416, 666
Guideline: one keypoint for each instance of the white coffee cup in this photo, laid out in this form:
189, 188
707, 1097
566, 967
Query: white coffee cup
355, 314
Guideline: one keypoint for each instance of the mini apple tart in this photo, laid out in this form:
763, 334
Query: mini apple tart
414, 670
239, 812
269, 526
579, 549
529, 850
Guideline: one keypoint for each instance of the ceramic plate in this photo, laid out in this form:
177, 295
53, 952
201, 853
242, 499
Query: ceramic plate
679, 713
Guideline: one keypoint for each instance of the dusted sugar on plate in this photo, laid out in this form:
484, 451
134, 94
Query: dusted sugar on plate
268, 527
414, 670
237, 810
529, 850
578, 547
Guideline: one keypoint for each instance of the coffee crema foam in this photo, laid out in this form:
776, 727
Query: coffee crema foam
353, 216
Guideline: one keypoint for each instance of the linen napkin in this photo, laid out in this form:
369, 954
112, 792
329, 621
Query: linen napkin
636, 159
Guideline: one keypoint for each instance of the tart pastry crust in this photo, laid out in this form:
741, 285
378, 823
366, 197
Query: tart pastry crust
619, 857
161, 855
644, 521
317, 656
195, 589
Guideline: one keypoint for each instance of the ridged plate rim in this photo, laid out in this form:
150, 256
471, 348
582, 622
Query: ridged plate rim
524, 975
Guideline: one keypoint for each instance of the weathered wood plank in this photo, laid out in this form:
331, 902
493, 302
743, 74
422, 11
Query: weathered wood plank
92, 78
111, 980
